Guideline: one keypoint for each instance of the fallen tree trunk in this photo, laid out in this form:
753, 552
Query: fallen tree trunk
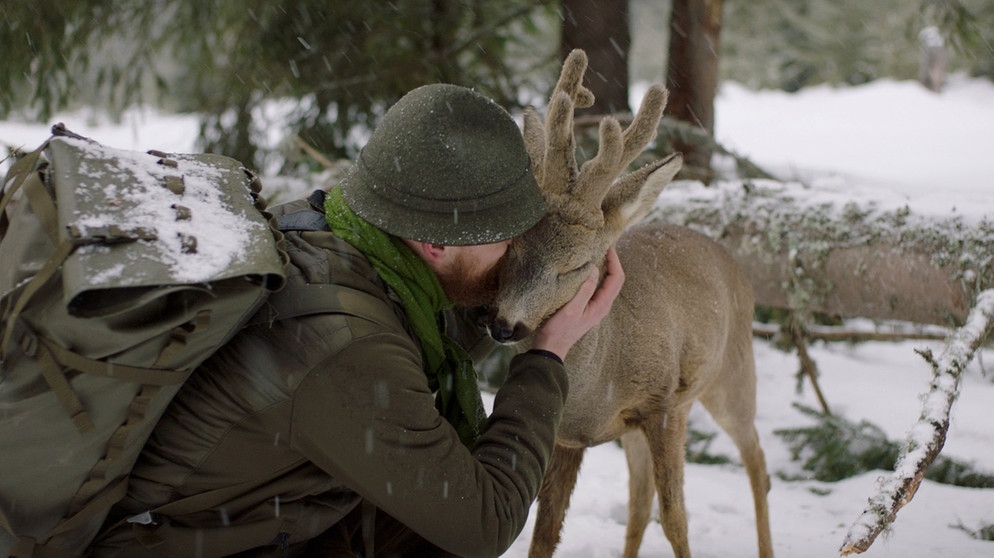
927, 437
823, 252
842, 334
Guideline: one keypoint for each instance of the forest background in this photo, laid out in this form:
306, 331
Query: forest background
293, 89
332, 68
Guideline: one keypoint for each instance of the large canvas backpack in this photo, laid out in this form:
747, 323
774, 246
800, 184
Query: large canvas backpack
121, 272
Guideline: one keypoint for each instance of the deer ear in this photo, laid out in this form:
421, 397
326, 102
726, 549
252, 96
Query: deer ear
632, 197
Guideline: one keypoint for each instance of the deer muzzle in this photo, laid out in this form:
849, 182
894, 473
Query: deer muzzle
503, 332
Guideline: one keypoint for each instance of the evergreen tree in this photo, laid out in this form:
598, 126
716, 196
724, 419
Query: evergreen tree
789, 44
338, 63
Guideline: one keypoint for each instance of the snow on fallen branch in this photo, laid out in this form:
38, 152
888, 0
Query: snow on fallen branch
842, 253
927, 436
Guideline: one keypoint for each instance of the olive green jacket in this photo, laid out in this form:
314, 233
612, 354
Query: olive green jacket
289, 426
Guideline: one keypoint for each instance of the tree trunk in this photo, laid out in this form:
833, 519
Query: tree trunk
829, 253
692, 76
600, 27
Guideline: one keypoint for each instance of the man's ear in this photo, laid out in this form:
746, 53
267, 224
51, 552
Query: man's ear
431, 253
435, 252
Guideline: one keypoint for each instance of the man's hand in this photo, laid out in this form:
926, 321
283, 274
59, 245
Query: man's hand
584, 311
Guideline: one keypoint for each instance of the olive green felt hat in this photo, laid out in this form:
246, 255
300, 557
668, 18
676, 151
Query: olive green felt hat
448, 166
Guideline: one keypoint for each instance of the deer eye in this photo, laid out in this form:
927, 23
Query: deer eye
583, 268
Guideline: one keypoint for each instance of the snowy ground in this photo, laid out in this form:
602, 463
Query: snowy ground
876, 382
892, 140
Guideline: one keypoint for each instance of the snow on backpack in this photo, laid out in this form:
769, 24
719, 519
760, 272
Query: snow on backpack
122, 271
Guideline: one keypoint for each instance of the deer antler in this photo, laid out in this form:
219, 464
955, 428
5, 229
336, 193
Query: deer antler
553, 153
568, 93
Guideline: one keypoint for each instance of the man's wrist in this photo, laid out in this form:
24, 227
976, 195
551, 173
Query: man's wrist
546, 353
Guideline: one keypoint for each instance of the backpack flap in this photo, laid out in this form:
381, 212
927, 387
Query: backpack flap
147, 220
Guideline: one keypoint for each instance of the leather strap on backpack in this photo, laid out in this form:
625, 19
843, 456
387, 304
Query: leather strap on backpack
16, 177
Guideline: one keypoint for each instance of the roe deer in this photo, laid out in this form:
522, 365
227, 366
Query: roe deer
680, 331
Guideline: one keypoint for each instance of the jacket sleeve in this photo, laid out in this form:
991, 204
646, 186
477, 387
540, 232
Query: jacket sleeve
366, 417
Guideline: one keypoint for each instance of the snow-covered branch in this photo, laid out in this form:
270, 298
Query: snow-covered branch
927, 436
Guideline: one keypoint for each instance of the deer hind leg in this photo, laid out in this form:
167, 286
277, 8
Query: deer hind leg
641, 489
733, 406
553, 500
667, 438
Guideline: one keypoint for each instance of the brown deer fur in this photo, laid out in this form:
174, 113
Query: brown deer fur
679, 332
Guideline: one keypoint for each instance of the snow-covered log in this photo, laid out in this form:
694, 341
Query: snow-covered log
926, 438
809, 250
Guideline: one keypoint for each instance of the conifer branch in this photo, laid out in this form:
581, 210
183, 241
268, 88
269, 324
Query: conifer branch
927, 436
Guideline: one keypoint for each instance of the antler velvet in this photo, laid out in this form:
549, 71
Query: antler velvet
577, 194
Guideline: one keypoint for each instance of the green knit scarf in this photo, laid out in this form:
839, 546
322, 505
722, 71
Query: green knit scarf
448, 366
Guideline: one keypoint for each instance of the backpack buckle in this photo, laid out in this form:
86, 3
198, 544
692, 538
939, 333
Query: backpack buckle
144, 518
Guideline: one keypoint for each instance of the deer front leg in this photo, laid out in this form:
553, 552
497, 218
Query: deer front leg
553, 500
667, 437
641, 489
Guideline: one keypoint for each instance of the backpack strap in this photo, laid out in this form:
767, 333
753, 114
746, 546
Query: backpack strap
210, 499
43, 206
93, 497
62, 251
28, 547
25, 174
310, 219
315, 298
19, 173
16, 177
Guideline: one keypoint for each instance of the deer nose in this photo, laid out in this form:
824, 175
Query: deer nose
501, 331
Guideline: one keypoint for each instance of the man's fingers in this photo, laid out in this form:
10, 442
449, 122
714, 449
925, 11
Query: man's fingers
614, 279
587, 308
589, 287
583, 296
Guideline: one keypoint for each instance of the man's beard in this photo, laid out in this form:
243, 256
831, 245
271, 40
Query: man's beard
467, 287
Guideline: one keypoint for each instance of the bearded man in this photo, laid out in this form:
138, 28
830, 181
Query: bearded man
345, 420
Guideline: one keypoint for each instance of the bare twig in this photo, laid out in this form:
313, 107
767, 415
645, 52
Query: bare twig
309, 149
927, 437
808, 366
